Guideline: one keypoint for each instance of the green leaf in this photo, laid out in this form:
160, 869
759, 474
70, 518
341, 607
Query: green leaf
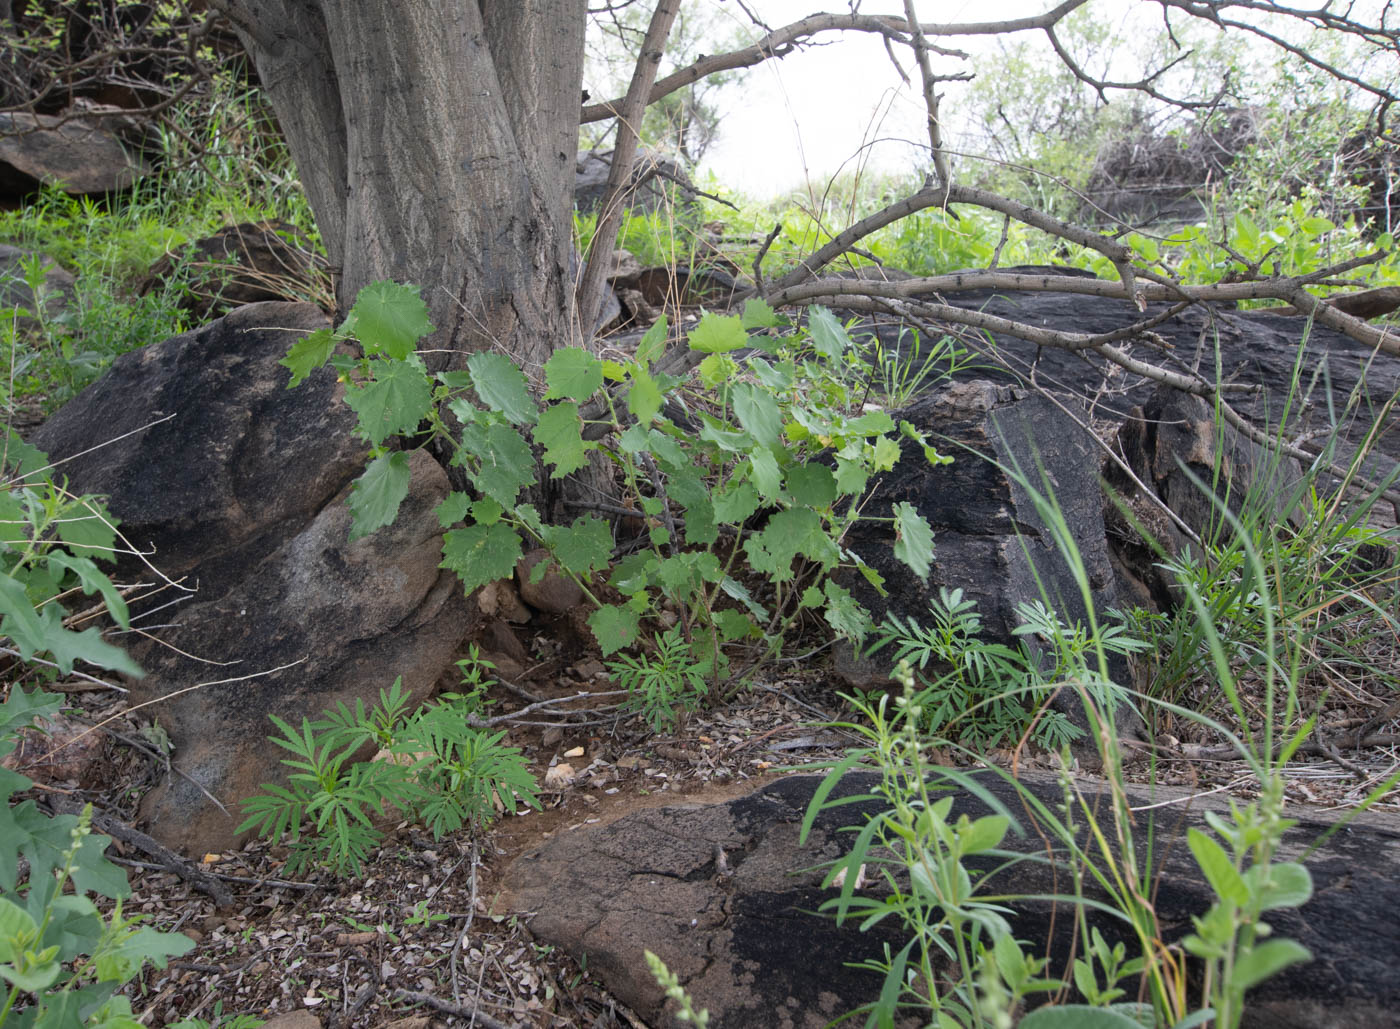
505, 463
144, 946
653, 344
572, 374
765, 474
613, 628
560, 432
735, 503
307, 354
481, 553
1290, 885
758, 315
1218, 869
22, 457
795, 531
388, 318
718, 334
583, 547
1265, 960
453, 509
644, 398
686, 488
984, 834
811, 485
486, 511
502, 387
886, 455
844, 614
93, 581
757, 412
717, 369
395, 401
851, 476
828, 335
913, 542
1077, 1016
376, 495
87, 529
734, 625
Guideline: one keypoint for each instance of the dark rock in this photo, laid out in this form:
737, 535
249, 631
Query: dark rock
1255, 349
80, 155
1198, 468
243, 493
658, 182
990, 541
723, 894
244, 264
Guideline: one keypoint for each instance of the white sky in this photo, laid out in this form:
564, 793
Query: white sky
805, 116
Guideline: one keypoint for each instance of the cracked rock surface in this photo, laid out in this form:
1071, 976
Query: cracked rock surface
725, 896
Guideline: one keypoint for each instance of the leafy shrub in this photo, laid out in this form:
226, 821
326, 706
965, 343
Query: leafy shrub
62, 958
434, 766
782, 450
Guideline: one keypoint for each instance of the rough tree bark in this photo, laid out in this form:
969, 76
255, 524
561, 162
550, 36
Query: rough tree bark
436, 140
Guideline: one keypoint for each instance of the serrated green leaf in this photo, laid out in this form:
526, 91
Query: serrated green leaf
886, 455
307, 354
481, 553
560, 432
913, 539
686, 488
22, 458
734, 625
735, 503
758, 315
811, 485
453, 509
652, 344
487, 511
505, 463
828, 335
388, 318
765, 474
797, 530
502, 387
398, 397
851, 477
644, 398
717, 369
583, 547
376, 495
572, 374
757, 411
718, 334
614, 628
844, 613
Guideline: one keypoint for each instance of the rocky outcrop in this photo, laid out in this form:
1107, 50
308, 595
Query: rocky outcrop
238, 487
726, 897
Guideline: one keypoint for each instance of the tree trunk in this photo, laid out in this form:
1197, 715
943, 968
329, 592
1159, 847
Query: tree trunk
436, 142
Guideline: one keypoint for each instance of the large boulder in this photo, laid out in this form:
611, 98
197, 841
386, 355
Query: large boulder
81, 156
238, 487
991, 541
726, 897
